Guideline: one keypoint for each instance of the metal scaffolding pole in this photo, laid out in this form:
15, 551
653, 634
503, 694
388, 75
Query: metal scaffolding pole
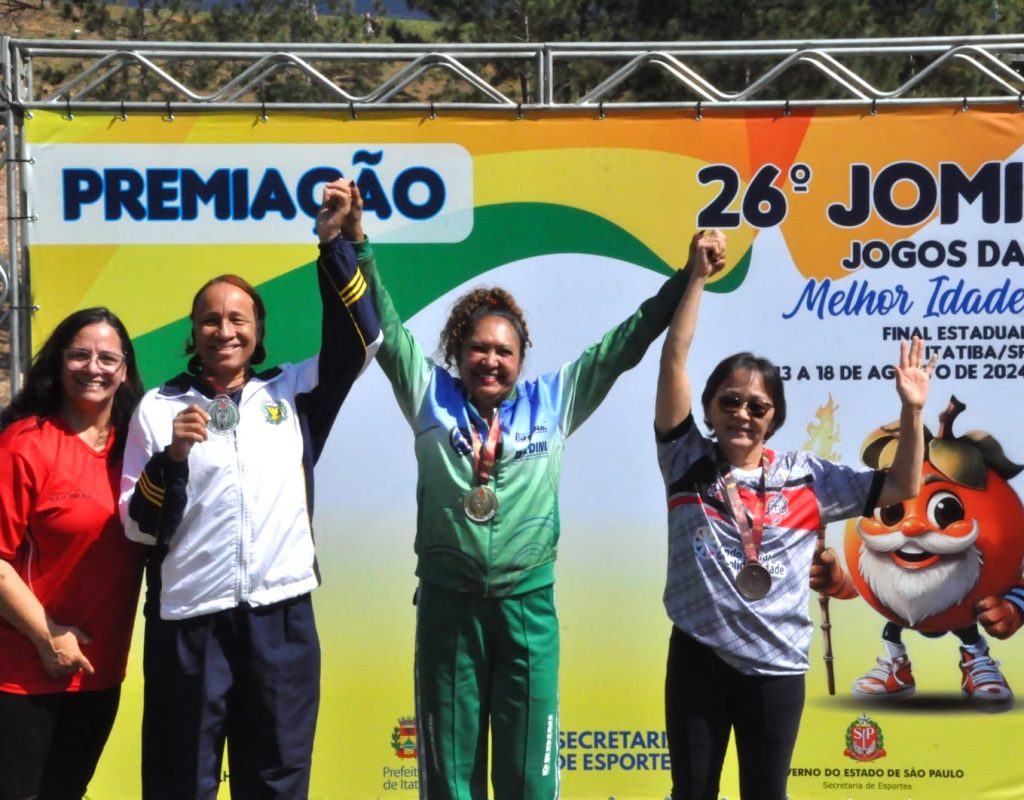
551, 79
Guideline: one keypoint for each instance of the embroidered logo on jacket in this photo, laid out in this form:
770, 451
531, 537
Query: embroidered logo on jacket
777, 507
275, 413
458, 438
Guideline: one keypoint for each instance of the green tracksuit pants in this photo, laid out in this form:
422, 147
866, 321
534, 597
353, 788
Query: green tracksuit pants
487, 662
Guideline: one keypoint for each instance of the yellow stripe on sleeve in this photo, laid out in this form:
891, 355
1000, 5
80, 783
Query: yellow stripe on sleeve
355, 289
150, 490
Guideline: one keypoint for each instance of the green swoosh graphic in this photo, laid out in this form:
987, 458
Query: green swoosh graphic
417, 274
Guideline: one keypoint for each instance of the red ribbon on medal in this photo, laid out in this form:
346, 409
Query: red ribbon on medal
753, 580
751, 537
485, 452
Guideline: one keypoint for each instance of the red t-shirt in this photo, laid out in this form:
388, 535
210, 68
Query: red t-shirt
60, 530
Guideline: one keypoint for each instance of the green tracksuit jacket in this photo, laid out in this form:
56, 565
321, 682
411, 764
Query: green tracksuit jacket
515, 551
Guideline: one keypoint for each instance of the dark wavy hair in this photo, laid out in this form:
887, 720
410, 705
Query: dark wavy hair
259, 355
769, 373
43, 393
470, 309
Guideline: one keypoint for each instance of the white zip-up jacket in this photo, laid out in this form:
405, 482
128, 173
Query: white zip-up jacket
232, 525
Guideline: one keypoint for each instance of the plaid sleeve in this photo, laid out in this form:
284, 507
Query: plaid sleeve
844, 491
680, 448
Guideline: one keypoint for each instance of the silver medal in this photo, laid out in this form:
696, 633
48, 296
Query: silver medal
224, 415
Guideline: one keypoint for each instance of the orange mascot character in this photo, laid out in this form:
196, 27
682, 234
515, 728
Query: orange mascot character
947, 560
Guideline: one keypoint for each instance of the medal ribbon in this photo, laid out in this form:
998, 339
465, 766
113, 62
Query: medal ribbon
751, 538
485, 452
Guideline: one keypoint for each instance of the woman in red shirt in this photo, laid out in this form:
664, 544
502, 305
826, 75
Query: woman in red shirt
69, 578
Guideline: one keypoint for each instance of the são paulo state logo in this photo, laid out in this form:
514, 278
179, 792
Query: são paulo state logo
403, 738
864, 741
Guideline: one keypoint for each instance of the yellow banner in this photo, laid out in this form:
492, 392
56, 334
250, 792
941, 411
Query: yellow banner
848, 233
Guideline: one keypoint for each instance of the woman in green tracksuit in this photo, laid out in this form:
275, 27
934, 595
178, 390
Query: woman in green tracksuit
489, 452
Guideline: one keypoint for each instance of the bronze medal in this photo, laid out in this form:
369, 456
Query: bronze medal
480, 503
224, 415
753, 581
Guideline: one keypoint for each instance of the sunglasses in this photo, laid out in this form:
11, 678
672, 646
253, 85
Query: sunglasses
731, 403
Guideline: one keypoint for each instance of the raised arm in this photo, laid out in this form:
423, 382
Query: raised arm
587, 380
673, 401
913, 377
350, 327
400, 356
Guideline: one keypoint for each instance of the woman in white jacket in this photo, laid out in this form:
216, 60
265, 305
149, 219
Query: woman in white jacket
218, 477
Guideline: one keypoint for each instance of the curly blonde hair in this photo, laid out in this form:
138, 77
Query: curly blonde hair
470, 309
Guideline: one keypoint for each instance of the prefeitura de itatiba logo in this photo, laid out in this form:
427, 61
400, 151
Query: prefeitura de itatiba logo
864, 741
403, 738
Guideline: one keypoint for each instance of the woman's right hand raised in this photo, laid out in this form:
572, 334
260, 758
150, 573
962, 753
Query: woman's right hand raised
673, 401
189, 427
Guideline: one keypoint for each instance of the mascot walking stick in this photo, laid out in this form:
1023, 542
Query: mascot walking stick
826, 627
823, 436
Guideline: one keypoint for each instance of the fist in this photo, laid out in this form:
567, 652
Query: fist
998, 616
189, 427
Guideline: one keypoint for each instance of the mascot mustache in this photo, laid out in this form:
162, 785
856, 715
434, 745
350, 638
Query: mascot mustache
930, 541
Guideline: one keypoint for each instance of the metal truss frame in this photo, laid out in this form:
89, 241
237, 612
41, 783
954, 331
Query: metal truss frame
404, 86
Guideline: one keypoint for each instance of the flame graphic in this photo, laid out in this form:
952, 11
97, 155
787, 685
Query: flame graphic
824, 434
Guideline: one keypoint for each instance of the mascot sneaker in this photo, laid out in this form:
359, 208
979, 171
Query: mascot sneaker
891, 678
982, 680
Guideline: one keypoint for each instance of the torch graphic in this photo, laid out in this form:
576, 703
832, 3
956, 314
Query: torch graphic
823, 436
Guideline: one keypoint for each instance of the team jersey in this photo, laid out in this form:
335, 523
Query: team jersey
513, 552
803, 493
60, 530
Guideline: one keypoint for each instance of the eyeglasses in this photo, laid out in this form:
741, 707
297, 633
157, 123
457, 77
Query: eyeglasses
731, 403
77, 358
